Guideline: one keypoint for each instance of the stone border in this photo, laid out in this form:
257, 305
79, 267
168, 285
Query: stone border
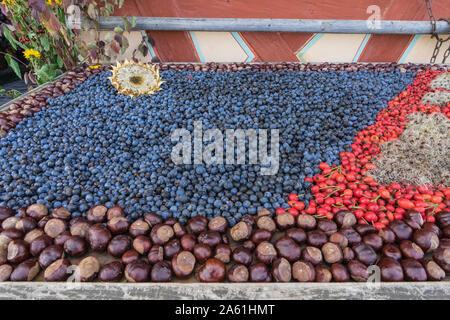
235, 291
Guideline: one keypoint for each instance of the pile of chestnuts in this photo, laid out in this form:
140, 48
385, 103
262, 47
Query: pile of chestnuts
260, 248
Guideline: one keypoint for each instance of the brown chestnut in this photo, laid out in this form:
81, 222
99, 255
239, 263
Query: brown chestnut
161, 272
434, 271
97, 214
139, 228
249, 245
373, 240
161, 234
332, 253
249, 219
261, 235
429, 226
62, 238
442, 258
42, 222
37, 211
414, 219
296, 234
339, 239
156, 254
179, 230
238, 273
111, 272
401, 230
306, 222
339, 272
25, 271
50, 254
170, 221
171, 248
5, 272
39, 244
323, 274
57, 270
18, 251
413, 270
75, 246
183, 264
387, 235
153, 219
391, 270
266, 252
130, 256
365, 253
33, 234
242, 255
223, 253
303, 271
312, 255
281, 270
61, 213
114, 212
5, 213
142, 244
209, 238
285, 221
138, 271
118, 225
352, 236
98, 237
288, 248
411, 250
365, 229
349, 254
212, 271
392, 251
266, 223
427, 240
241, 231
264, 212
316, 238
327, 226
345, 218
259, 272
54, 227
119, 245
358, 270
198, 224
79, 227
219, 224
11, 222
443, 219
188, 242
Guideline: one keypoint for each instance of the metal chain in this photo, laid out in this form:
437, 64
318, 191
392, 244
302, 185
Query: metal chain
434, 34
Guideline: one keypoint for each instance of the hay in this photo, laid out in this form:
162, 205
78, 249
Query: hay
421, 155
437, 98
442, 81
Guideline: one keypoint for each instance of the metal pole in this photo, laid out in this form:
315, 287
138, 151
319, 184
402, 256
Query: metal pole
280, 25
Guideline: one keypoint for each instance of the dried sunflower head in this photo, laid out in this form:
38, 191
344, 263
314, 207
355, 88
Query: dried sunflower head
135, 79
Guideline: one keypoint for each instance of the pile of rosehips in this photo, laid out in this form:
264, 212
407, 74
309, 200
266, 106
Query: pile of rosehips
347, 186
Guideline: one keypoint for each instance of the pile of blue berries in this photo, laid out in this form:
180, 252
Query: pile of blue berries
93, 145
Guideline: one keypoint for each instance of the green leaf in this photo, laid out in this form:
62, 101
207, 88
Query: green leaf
92, 13
118, 29
133, 22
121, 3
45, 43
14, 65
126, 24
125, 45
11, 39
60, 62
109, 36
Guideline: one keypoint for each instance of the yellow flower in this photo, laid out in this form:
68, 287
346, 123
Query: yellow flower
95, 67
48, 2
9, 3
31, 53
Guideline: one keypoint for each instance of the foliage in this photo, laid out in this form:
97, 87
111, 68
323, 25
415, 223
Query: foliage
50, 41
9, 93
